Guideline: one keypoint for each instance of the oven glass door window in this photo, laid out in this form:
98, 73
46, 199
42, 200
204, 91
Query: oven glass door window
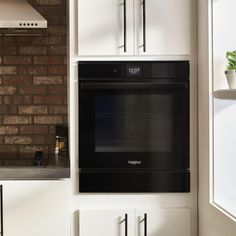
133, 123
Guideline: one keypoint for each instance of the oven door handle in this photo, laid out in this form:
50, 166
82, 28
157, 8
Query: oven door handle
139, 86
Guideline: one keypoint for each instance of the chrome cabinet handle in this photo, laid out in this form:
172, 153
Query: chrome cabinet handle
144, 25
145, 224
1, 193
126, 224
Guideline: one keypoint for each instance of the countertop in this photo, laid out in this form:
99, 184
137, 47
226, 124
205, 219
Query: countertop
55, 167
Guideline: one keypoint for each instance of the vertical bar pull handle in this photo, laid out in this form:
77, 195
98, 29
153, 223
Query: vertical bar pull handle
144, 25
124, 25
126, 224
144, 220
1, 193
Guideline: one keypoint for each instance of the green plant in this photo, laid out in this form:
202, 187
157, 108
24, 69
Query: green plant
231, 56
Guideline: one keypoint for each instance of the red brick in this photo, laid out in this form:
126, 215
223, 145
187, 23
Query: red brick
65, 119
57, 70
8, 109
9, 41
40, 40
31, 61
31, 149
56, 40
7, 90
17, 41
33, 110
59, 10
16, 60
57, 50
9, 50
8, 149
58, 109
57, 30
48, 99
49, 2
24, 40
23, 50
17, 100
33, 89
48, 120
57, 90
8, 70
57, 20
8, 130
34, 129
16, 80
44, 139
65, 80
52, 129
48, 60
17, 120
18, 140
65, 100
47, 80
32, 70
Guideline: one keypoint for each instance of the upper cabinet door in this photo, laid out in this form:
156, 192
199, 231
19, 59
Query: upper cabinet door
164, 222
105, 27
162, 27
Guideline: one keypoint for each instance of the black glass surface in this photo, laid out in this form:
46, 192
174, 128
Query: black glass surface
143, 125
134, 181
133, 123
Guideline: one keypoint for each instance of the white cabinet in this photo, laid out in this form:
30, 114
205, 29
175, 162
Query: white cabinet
105, 26
101, 27
36, 208
167, 28
164, 222
106, 222
139, 222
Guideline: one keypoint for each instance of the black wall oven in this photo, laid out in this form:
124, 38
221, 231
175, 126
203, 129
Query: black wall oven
134, 126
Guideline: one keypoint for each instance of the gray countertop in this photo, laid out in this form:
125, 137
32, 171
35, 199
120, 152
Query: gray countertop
34, 173
55, 168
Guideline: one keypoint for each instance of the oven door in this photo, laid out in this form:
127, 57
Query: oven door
134, 125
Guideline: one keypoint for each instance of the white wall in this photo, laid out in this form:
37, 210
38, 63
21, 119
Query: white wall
212, 222
224, 175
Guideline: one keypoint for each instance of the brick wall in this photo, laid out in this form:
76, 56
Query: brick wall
33, 86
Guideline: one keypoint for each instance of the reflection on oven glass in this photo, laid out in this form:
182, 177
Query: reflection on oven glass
133, 123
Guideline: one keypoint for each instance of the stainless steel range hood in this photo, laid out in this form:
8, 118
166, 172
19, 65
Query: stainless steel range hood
19, 14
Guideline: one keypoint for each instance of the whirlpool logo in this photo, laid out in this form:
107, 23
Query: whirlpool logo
136, 162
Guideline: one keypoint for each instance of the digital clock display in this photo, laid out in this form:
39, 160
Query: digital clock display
134, 70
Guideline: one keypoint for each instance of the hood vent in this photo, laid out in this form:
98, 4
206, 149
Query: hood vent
19, 14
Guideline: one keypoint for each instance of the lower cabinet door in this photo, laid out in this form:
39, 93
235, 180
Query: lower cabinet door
163, 222
36, 208
106, 222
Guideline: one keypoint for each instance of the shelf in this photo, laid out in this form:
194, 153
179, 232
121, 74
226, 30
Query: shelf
225, 94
